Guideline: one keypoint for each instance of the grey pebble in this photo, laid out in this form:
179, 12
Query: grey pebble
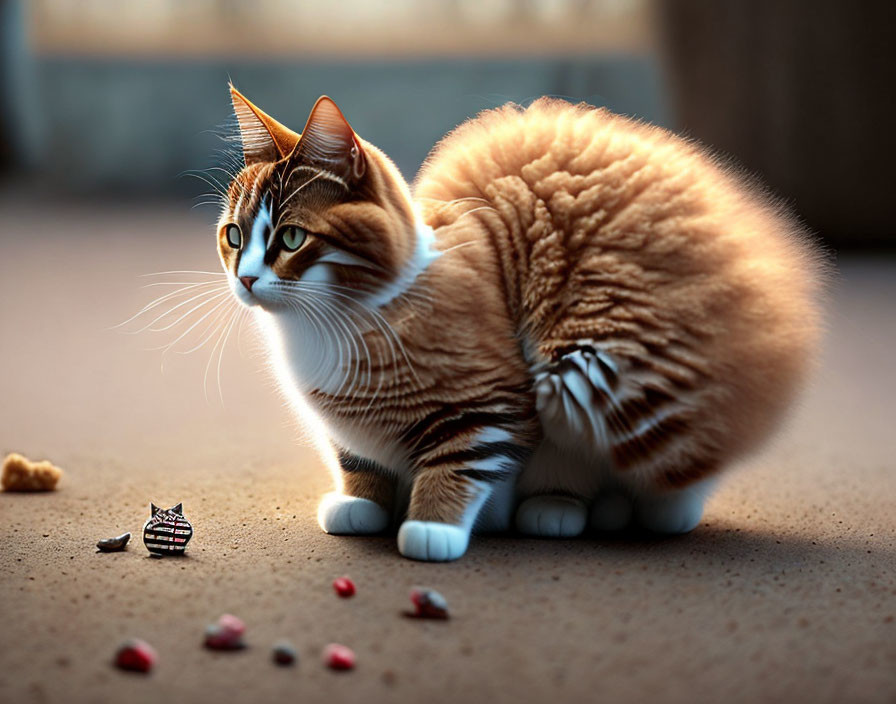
284, 653
114, 544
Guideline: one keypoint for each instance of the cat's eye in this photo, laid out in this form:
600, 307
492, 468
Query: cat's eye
234, 236
292, 237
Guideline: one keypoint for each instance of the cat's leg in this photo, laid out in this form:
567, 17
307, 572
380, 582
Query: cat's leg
364, 504
588, 403
555, 485
453, 482
568, 465
673, 511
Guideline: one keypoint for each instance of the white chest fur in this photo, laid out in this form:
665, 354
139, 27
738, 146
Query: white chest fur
302, 363
310, 353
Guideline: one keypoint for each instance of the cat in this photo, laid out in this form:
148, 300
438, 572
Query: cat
572, 318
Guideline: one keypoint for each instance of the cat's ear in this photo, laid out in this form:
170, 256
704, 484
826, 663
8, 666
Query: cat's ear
328, 140
177, 509
263, 138
153, 509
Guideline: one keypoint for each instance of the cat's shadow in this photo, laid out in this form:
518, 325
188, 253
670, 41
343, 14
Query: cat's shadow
717, 548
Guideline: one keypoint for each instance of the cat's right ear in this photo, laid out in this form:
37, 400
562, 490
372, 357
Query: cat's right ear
264, 139
153, 509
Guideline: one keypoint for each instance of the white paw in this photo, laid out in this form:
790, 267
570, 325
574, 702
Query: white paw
431, 541
349, 515
551, 516
673, 513
612, 510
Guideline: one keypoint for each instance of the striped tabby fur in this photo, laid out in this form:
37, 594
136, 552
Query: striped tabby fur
573, 313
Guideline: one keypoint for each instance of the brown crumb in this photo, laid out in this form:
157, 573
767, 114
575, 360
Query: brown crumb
21, 474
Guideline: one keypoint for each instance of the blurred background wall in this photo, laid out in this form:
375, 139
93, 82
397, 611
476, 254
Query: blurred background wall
120, 97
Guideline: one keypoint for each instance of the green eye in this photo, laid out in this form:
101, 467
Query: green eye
234, 237
292, 237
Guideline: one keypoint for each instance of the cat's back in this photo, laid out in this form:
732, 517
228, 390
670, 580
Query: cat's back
621, 233
550, 147
586, 204
584, 170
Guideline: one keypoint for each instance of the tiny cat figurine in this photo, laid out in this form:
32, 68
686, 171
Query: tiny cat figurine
167, 532
573, 318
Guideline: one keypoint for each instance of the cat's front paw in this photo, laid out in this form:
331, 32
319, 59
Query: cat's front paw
551, 516
431, 541
349, 515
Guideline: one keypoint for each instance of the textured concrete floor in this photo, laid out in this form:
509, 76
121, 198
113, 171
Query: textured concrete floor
786, 592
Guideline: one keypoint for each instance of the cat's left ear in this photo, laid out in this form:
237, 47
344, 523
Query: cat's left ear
263, 138
153, 509
177, 509
330, 142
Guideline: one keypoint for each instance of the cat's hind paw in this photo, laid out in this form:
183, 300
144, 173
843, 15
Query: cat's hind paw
672, 513
431, 541
339, 514
612, 511
551, 516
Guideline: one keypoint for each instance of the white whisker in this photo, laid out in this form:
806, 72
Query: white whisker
186, 332
207, 297
310, 180
476, 210
185, 271
376, 317
221, 353
212, 355
158, 301
457, 246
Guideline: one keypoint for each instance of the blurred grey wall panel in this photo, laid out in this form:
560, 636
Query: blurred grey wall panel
133, 125
20, 115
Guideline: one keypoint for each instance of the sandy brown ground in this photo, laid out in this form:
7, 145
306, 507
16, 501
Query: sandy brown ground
785, 593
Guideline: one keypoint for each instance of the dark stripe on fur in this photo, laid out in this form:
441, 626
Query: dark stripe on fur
507, 450
680, 478
643, 445
485, 475
446, 424
350, 462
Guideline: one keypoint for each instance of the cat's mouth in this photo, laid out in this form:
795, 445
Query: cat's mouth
257, 295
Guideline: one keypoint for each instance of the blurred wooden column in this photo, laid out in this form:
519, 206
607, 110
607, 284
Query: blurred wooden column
799, 91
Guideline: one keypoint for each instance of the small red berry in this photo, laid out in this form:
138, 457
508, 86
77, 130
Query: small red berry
136, 655
339, 657
344, 587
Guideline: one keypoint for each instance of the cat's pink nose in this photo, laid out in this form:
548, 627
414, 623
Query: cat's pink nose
248, 281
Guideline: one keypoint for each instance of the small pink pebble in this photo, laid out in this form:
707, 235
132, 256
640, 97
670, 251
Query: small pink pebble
226, 634
339, 657
428, 603
136, 655
344, 587
231, 624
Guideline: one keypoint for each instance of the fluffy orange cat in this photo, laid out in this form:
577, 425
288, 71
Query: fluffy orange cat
573, 318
